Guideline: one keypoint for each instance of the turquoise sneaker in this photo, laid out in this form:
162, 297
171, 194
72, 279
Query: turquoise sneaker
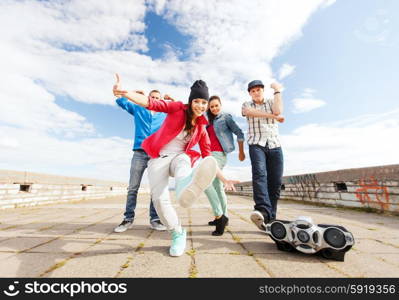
178, 243
189, 188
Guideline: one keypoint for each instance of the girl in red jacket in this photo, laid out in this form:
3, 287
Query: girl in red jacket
170, 149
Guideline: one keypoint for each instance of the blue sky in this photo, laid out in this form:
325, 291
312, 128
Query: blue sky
162, 35
339, 57
355, 73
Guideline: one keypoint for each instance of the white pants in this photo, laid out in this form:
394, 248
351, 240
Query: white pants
159, 170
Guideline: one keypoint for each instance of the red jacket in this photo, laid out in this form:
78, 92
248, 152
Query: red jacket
172, 126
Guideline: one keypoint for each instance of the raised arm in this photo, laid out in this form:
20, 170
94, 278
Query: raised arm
132, 96
167, 97
254, 113
277, 106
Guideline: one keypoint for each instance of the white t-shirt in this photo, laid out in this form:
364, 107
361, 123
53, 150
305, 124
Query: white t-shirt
177, 145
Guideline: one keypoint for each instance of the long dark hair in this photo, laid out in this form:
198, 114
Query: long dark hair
210, 115
189, 117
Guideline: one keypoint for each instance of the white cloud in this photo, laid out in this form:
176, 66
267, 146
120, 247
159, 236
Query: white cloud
302, 105
307, 102
29, 105
35, 66
222, 34
87, 157
90, 24
234, 42
329, 2
285, 71
322, 147
8, 142
308, 92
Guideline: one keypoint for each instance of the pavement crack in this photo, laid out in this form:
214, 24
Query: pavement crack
237, 239
386, 243
62, 236
76, 254
61, 223
63, 262
193, 270
129, 259
239, 216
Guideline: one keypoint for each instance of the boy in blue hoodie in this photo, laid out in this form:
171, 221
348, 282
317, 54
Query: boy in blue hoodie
145, 123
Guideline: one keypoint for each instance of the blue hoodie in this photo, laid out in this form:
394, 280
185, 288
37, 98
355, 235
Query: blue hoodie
145, 122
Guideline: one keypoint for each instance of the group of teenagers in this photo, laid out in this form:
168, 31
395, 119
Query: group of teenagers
166, 131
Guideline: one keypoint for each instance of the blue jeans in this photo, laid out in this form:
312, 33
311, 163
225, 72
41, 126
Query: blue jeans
137, 168
267, 173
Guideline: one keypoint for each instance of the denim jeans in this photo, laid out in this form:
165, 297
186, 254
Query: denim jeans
267, 173
137, 168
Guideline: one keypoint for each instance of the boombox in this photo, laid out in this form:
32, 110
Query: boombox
330, 241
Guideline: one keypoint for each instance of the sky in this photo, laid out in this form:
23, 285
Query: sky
337, 61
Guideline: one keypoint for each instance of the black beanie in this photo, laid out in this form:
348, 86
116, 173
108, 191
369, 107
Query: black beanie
199, 90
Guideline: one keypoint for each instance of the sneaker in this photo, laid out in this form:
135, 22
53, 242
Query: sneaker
260, 219
178, 243
125, 225
190, 188
157, 225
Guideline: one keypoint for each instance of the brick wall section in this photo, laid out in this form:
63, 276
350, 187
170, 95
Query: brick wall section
26, 188
373, 187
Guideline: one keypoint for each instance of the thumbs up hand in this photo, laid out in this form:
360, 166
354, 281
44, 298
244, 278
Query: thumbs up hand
117, 91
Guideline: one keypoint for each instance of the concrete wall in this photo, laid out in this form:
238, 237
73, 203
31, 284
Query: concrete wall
374, 187
26, 188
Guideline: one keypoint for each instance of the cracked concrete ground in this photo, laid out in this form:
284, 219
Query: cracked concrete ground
77, 240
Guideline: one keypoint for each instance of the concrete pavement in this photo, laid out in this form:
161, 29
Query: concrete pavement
77, 240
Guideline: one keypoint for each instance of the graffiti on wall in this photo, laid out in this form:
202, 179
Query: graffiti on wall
307, 178
371, 192
305, 186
